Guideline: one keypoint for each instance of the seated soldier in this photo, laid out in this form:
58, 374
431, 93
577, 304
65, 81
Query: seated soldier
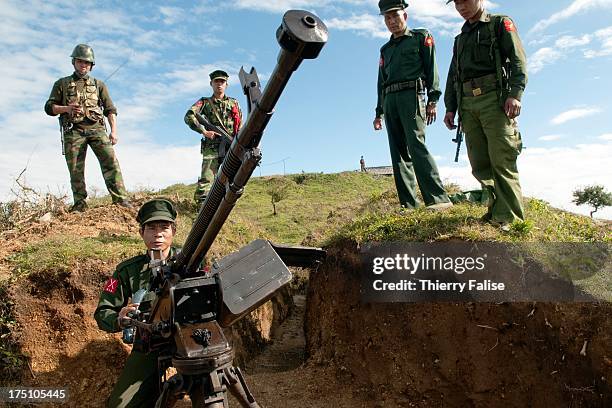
138, 384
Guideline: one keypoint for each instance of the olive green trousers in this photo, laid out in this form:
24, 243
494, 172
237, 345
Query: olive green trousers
493, 145
410, 158
138, 384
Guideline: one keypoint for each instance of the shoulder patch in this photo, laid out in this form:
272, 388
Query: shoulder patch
429, 41
111, 285
199, 103
381, 61
509, 25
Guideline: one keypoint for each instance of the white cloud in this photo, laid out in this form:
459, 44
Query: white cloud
550, 138
171, 15
605, 37
562, 46
552, 174
572, 114
367, 24
576, 7
542, 57
606, 136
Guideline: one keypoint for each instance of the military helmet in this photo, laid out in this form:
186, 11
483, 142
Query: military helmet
218, 74
84, 52
391, 5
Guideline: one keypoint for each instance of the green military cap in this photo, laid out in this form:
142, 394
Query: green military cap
391, 5
156, 210
218, 74
83, 52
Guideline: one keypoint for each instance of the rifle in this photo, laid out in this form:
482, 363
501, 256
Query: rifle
184, 320
226, 141
458, 139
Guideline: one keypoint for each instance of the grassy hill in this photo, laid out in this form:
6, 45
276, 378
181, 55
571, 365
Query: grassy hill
314, 209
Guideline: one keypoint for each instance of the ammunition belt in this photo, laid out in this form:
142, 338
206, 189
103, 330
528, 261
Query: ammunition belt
400, 86
480, 86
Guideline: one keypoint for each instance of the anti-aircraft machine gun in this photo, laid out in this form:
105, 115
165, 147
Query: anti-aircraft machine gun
184, 321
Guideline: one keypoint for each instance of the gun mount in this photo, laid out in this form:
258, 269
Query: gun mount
185, 319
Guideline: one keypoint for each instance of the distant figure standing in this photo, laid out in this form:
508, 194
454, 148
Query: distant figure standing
362, 165
82, 102
407, 75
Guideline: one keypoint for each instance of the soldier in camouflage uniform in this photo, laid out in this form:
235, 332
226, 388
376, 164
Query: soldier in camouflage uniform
138, 384
407, 72
222, 111
82, 102
486, 80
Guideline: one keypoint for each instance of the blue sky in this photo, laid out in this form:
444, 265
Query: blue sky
323, 121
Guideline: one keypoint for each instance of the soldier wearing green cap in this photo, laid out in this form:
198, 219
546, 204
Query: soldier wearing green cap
137, 385
486, 80
407, 75
222, 111
82, 102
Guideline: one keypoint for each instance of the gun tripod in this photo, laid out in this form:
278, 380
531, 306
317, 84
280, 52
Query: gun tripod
208, 390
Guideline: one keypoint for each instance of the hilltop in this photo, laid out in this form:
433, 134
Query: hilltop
52, 271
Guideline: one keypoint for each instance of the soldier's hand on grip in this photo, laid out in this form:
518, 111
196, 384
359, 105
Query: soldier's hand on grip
449, 120
209, 134
512, 107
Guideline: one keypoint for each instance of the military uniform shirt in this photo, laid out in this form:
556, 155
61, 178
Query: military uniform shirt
225, 114
92, 94
407, 58
474, 56
129, 276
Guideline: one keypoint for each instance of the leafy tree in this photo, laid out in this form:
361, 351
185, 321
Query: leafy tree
594, 196
278, 188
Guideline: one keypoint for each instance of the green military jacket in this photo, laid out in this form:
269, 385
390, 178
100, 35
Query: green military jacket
407, 58
91, 93
224, 113
474, 56
129, 276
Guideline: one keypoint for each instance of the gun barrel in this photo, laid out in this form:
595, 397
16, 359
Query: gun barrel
301, 36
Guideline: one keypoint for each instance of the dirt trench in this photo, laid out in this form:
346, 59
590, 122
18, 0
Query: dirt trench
456, 354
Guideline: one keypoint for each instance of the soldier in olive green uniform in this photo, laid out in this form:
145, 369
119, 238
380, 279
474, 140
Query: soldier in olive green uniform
138, 384
486, 80
82, 102
408, 71
222, 111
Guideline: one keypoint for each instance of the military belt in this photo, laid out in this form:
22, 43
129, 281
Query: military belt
480, 86
84, 132
400, 86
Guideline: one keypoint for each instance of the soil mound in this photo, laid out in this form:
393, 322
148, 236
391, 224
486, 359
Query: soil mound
456, 355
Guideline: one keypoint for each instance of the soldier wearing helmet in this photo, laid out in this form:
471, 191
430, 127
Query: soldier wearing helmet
408, 90
82, 102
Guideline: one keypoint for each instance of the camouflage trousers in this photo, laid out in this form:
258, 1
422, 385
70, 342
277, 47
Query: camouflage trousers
493, 145
210, 165
75, 150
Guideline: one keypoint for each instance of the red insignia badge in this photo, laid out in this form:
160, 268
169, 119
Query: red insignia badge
111, 285
199, 103
429, 41
509, 26
381, 62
